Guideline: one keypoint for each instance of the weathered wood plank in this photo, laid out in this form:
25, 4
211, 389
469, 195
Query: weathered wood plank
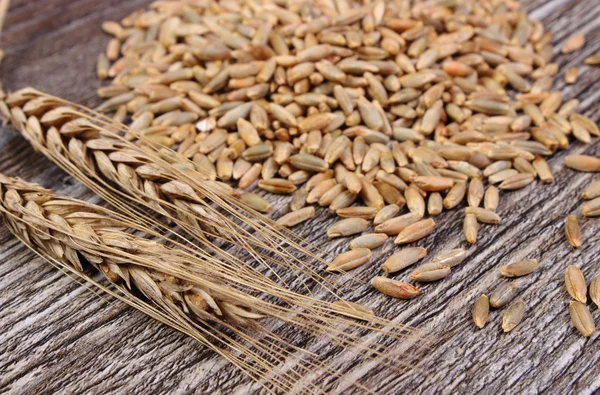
55, 335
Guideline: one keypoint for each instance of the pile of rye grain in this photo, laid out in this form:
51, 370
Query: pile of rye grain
362, 107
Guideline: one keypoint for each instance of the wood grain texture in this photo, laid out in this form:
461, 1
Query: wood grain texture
56, 336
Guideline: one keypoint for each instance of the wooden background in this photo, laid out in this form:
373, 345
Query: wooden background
56, 336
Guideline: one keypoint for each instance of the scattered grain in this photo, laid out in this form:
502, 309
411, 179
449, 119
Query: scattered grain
357, 212
573, 43
513, 315
593, 60
483, 215
481, 310
299, 199
517, 181
543, 170
595, 290
491, 198
591, 208
396, 225
255, 202
520, 268
503, 294
347, 227
432, 271
415, 232
277, 185
583, 163
297, 217
386, 213
575, 283
395, 289
350, 260
475, 192
572, 231
582, 318
370, 241
470, 228
403, 259
571, 75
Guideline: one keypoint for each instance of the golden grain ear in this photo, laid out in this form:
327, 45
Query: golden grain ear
141, 174
211, 301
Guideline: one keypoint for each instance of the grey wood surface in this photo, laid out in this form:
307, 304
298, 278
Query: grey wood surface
57, 336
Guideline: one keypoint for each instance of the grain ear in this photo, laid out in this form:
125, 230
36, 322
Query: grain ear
213, 302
